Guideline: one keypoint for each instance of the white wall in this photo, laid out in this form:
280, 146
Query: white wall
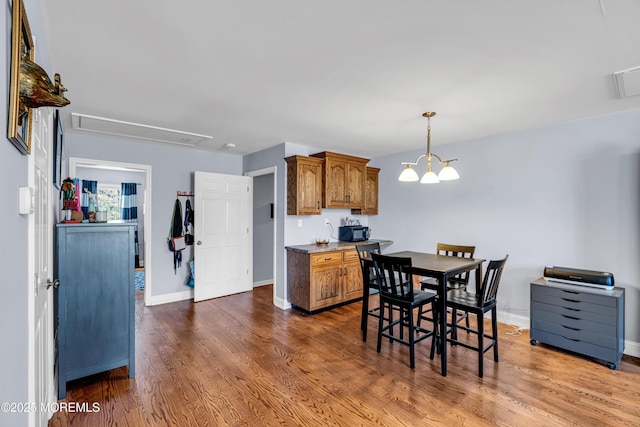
566, 195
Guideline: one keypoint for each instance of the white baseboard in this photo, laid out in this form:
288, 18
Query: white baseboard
262, 283
174, 297
282, 304
630, 348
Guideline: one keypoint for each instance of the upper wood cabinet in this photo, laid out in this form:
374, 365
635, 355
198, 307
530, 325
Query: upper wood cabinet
370, 194
343, 180
304, 185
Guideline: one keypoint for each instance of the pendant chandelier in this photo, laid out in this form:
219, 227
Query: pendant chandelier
447, 173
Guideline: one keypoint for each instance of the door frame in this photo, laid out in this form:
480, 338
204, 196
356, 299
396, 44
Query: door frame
75, 162
267, 171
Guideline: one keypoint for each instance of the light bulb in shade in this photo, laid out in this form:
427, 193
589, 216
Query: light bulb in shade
429, 177
408, 175
448, 173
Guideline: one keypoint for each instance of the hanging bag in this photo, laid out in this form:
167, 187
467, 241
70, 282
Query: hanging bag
176, 240
188, 221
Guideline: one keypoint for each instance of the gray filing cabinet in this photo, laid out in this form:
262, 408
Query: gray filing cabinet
580, 319
95, 300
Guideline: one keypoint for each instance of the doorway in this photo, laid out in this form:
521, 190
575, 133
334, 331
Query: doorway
265, 204
145, 171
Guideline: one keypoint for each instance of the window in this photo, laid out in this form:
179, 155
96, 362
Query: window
109, 200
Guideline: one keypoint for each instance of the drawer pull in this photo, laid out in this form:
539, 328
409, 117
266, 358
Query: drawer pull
568, 327
571, 300
570, 339
570, 317
571, 309
328, 259
571, 292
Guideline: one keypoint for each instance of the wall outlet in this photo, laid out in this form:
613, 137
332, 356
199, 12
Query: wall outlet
326, 221
299, 223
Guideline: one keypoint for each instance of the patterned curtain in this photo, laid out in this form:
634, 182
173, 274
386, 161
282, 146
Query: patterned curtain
128, 208
84, 197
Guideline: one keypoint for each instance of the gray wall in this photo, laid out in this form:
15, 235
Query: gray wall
565, 195
173, 169
262, 228
13, 262
267, 158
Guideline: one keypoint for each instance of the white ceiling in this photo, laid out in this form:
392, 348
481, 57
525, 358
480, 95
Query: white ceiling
352, 76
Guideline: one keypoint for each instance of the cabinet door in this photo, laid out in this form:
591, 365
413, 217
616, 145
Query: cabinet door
326, 286
371, 192
356, 178
335, 185
309, 188
352, 281
304, 185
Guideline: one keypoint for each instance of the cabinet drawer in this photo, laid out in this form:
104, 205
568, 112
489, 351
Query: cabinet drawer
350, 256
546, 313
326, 258
588, 349
575, 334
542, 293
605, 317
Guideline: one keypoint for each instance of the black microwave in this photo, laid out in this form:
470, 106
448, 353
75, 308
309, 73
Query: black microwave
353, 233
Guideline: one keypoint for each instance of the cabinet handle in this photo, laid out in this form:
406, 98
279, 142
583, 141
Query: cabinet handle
571, 300
570, 339
570, 317
567, 327
318, 204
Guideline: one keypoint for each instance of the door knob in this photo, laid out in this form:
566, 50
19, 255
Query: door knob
55, 283
198, 242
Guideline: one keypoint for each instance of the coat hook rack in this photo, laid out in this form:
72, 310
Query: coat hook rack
184, 194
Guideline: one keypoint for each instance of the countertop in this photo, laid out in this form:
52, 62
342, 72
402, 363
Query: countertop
333, 246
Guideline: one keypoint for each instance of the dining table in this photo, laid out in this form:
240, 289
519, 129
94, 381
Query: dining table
441, 267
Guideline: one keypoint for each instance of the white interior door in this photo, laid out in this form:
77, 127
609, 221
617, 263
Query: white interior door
223, 252
41, 357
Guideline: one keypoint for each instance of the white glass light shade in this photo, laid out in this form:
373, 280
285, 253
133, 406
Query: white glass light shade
448, 173
429, 177
408, 175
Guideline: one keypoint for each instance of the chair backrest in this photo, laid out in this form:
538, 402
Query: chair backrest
491, 282
366, 262
394, 276
459, 251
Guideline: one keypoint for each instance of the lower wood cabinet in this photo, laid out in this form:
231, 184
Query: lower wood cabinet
95, 300
320, 280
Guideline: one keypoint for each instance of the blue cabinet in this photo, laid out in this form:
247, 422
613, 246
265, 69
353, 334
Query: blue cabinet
579, 319
95, 300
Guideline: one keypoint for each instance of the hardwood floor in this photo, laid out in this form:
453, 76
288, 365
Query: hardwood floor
239, 360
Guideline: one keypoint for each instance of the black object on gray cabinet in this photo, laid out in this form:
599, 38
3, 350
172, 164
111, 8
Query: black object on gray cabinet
579, 319
96, 303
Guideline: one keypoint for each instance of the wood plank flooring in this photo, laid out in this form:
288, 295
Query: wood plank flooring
239, 360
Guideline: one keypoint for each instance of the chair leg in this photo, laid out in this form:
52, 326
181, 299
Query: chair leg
364, 318
454, 325
480, 319
412, 340
494, 327
380, 320
435, 340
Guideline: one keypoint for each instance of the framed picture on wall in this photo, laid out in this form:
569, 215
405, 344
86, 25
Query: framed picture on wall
58, 133
20, 120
